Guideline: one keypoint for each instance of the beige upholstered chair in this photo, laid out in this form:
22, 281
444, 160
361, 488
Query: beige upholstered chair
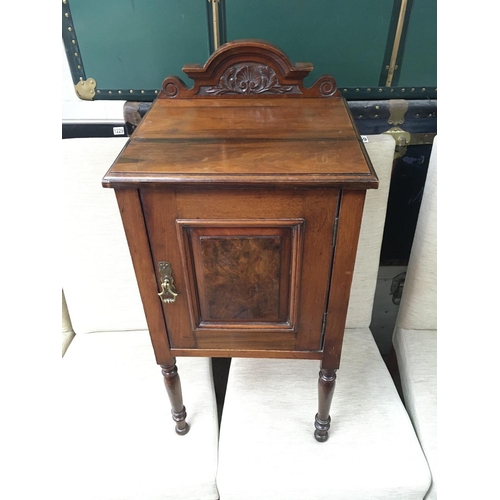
119, 439
415, 336
267, 448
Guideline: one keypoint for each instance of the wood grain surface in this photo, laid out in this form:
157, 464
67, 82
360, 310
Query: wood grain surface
229, 142
303, 221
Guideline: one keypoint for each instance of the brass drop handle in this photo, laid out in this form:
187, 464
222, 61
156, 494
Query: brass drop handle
168, 292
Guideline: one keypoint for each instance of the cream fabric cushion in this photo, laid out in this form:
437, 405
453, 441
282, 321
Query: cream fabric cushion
417, 360
67, 329
415, 336
267, 448
98, 277
119, 441
380, 148
119, 437
418, 308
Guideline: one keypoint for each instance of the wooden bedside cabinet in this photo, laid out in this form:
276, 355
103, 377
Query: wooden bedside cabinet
241, 199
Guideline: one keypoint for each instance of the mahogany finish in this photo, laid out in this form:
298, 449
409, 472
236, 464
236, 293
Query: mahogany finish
174, 391
224, 141
346, 244
326, 386
135, 232
245, 69
251, 186
171, 215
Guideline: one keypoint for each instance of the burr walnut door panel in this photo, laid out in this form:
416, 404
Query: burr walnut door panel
250, 267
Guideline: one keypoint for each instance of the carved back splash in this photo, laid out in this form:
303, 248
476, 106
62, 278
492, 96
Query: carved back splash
248, 68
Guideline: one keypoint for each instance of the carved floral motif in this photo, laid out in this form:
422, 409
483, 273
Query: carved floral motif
245, 78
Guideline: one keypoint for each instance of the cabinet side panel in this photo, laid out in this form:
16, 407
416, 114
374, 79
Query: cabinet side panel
135, 230
351, 211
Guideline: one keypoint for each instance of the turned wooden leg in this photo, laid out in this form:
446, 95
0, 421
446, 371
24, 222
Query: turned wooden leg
326, 386
174, 391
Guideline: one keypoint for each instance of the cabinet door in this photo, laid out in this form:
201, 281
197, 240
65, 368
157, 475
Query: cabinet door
251, 267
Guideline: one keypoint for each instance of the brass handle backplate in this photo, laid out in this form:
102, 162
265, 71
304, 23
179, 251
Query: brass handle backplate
168, 292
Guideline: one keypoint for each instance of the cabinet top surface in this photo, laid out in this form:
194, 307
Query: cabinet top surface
231, 139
